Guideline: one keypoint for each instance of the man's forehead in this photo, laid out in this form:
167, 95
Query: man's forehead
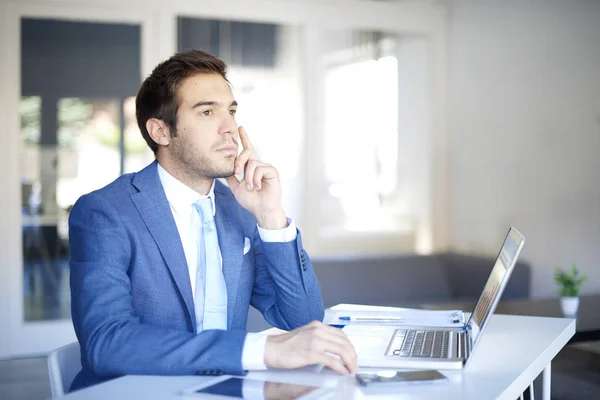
205, 87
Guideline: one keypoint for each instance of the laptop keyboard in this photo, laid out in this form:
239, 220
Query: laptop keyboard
419, 343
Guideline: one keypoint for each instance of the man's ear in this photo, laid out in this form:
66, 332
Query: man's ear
158, 131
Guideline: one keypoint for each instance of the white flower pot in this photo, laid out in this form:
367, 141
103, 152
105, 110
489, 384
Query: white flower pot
569, 305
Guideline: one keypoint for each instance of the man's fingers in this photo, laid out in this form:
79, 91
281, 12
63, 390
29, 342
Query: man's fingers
263, 172
241, 160
344, 351
347, 355
244, 138
351, 360
258, 175
232, 181
254, 170
317, 343
251, 166
331, 362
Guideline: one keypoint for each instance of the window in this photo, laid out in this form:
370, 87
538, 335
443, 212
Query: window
370, 185
361, 142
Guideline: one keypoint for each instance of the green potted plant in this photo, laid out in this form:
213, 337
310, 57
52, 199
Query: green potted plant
569, 284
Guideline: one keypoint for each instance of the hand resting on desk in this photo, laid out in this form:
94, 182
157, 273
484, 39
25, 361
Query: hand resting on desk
310, 344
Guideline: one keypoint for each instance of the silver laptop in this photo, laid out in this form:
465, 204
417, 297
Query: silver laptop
450, 348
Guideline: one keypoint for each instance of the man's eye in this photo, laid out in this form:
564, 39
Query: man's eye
206, 113
232, 112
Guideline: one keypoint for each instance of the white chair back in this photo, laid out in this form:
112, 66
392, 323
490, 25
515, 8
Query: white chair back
63, 364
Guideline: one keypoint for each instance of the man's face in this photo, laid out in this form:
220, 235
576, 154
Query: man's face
206, 142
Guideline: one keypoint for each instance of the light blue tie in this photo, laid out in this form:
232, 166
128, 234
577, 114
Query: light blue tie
211, 293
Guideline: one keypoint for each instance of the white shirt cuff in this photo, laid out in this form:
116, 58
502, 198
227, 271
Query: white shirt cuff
253, 353
279, 235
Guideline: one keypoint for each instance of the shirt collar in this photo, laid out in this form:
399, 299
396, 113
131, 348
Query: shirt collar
180, 196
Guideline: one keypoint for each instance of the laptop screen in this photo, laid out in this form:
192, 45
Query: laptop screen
492, 291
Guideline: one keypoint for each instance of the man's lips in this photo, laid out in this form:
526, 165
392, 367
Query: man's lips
227, 149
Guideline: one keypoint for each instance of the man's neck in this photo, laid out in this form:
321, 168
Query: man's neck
184, 175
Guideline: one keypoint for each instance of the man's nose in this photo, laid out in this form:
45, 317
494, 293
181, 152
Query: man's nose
229, 126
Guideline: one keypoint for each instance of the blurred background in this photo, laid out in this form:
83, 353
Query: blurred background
398, 127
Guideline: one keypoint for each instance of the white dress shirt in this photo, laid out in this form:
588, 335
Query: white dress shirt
181, 199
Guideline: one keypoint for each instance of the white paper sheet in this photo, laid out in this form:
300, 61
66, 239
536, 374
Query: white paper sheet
393, 316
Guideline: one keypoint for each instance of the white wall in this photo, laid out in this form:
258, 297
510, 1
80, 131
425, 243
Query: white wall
525, 124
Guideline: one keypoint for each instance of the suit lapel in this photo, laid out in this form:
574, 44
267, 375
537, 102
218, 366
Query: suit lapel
152, 204
231, 244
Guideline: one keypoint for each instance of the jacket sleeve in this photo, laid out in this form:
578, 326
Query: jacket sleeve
286, 289
113, 340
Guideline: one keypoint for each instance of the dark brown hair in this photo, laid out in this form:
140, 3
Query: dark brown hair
157, 97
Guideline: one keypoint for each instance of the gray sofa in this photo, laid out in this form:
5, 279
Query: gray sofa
406, 281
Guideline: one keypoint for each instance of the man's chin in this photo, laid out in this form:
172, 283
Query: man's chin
224, 173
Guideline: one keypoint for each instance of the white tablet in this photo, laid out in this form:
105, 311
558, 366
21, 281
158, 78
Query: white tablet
228, 387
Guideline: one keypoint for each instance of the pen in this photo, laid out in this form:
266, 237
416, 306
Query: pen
371, 319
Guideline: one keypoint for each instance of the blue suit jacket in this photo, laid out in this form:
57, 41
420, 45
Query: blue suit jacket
132, 304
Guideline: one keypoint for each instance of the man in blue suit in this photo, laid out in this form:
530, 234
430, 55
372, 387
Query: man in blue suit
166, 262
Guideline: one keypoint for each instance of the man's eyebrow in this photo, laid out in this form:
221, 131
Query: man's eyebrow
212, 103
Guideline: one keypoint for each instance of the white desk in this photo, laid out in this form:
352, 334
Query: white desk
513, 352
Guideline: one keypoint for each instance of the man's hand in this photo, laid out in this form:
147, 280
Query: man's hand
260, 190
315, 343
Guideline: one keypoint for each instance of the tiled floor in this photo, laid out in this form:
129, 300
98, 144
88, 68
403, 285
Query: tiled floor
575, 375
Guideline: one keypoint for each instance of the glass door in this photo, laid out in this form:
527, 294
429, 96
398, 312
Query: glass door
75, 133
